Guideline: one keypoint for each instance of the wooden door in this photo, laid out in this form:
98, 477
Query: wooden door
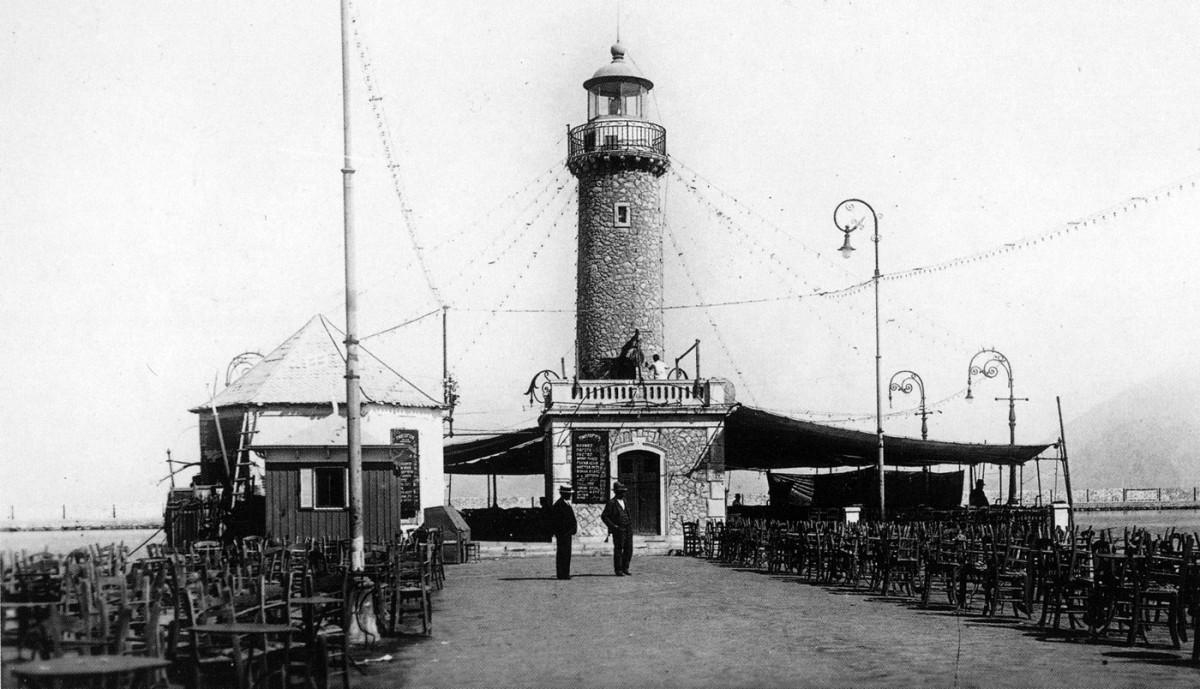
639, 471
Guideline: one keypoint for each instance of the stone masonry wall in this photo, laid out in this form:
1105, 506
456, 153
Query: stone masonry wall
686, 496
619, 272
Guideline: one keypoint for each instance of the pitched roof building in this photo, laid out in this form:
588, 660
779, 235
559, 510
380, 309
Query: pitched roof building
275, 439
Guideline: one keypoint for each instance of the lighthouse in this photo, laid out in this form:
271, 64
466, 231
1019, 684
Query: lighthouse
619, 157
663, 439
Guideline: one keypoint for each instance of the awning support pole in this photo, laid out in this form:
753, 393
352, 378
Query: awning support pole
1062, 444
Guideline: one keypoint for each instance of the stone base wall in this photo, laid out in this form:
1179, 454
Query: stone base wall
686, 476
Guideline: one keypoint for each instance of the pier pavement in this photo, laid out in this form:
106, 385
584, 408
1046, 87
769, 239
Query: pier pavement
685, 622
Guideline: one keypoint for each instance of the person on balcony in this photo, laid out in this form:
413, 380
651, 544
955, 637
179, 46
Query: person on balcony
658, 368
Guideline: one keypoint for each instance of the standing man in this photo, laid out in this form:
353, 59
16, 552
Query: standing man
616, 518
978, 497
564, 526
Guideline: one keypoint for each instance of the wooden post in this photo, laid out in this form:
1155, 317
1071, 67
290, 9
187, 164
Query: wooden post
1062, 439
353, 426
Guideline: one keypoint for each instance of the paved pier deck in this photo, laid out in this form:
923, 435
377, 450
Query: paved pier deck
683, 622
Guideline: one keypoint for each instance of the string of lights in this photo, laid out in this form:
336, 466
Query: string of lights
381, 362
698, 179
518, 276
555, 186
791, 292
789, 277
697, 183
467, 289
557, 169
405, 323
1095, 220
849, 417
716, 331
394, 170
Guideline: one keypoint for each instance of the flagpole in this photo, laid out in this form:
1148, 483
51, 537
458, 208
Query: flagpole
353, 405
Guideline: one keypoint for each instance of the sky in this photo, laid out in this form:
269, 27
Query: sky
170, 197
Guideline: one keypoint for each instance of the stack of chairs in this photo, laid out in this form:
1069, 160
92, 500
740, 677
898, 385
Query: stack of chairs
942, 556
1069, 580
691, 539
1010, 578
713, 534
411, 584
97, 604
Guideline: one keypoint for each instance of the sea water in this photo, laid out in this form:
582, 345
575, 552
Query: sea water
65, 541
62, 542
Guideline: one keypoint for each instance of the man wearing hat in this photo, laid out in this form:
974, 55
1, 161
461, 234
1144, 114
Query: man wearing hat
616, 518
563, 526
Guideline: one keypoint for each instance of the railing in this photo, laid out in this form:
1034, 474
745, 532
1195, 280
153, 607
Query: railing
624, 393
617, 137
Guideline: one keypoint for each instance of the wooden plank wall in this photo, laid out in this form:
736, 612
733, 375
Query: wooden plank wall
381, 505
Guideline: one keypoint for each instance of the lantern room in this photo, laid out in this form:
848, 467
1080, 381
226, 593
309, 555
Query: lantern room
617, 89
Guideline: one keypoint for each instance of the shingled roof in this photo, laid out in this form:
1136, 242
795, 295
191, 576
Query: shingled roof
309, 368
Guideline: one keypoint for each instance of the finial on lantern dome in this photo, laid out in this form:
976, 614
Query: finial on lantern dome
618, 51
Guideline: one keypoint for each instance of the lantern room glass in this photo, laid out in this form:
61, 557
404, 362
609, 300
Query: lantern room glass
617, 99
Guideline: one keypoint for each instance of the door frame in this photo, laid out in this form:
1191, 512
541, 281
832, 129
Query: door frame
664, 507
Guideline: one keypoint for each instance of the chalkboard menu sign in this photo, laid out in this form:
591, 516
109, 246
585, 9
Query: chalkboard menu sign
406, 465
589, 468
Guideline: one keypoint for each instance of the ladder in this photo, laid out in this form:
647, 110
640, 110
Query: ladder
243, 480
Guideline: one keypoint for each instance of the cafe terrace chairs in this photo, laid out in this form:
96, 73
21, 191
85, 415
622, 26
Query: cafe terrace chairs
691, 539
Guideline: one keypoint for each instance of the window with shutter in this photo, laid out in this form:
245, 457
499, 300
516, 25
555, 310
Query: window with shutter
306, 489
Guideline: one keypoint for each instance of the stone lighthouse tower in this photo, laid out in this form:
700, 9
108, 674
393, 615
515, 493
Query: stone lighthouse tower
619, 156
663, 439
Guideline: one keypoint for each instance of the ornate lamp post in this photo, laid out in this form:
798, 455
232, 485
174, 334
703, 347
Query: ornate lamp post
848, 217
990, 363
907, 379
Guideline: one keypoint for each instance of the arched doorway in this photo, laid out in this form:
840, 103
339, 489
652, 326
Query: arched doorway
638, 469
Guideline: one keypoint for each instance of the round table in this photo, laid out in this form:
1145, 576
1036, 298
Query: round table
83, 670
24, 612
239, 629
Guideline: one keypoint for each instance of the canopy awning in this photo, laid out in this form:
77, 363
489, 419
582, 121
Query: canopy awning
755, 439
508, 454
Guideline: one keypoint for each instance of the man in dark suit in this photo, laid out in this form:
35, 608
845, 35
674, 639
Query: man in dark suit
563, 526
616, 518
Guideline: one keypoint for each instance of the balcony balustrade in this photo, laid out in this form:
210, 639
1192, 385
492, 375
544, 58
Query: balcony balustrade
566, 394
617, 138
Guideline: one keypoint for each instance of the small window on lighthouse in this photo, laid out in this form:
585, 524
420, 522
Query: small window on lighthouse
621, 214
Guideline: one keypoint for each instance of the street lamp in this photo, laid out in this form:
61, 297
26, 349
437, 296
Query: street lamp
907, 378
990, 367
848, 217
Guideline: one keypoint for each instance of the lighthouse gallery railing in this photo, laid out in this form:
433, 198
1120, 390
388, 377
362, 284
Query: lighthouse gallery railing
617, 137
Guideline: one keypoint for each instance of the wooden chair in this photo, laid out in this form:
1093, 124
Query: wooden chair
1069, 582
202, 655
437, 563
902, 562
943, 562
411, 586
691, 539
1158, 597
1010, 580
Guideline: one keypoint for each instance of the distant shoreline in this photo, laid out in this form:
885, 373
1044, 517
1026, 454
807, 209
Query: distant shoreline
132, 524
125, 525
1135, 506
